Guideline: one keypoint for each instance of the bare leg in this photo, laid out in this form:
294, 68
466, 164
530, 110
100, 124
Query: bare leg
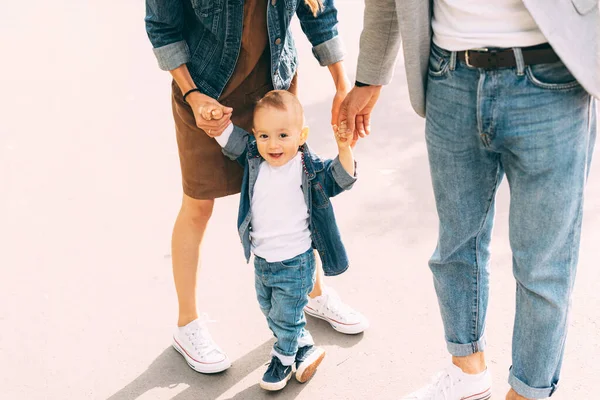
318, 289
512, 395
185, 247
472, 364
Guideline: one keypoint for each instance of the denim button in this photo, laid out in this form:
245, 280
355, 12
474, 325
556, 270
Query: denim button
278, 41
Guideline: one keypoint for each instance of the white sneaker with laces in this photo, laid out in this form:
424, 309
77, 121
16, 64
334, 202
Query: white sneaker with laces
453, 384
340, 316
195, 344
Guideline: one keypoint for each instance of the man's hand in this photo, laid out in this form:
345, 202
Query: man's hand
211, 116
356, 110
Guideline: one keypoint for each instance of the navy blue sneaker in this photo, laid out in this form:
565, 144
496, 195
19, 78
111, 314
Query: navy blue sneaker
308, 359
276, 376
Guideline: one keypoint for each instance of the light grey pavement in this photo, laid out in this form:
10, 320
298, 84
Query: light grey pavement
89, 183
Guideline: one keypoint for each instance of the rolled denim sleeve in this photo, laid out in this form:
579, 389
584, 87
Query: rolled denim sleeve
236, 147
321, 31
337, 179
330, 52
172, 55
341, 176
164, 26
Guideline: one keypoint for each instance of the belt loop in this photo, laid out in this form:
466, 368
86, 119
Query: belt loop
519, 60
452, 63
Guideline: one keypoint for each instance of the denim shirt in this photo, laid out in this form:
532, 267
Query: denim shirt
321, 180
207, 35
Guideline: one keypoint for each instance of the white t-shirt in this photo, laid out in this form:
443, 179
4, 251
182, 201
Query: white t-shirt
279, 225
469, 24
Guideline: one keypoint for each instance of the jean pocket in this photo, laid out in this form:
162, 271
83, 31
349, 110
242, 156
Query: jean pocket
295, 262
208, 13
319, 198
439, 63
553, 76
206, 8
291, 5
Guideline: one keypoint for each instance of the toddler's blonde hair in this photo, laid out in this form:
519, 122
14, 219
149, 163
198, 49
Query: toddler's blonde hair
281, 100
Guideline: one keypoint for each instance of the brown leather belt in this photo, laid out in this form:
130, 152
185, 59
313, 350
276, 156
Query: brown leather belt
505, 58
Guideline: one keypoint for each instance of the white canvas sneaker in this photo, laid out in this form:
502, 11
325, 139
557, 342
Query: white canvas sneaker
340, 316
453, 384
195, 344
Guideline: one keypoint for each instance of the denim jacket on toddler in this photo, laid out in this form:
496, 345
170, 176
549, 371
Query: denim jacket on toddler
322, 179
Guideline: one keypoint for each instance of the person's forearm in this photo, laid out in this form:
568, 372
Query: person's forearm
183, 78
347, 159
338, 74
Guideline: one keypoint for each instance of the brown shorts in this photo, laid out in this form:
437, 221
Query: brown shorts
206, 173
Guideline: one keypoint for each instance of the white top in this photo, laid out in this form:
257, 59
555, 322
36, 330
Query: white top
279, 214
469, 24
279, 225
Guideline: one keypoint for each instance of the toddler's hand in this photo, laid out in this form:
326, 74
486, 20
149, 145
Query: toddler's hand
211, 112
343, 136
211, 116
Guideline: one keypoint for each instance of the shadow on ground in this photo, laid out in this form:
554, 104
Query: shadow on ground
169, 370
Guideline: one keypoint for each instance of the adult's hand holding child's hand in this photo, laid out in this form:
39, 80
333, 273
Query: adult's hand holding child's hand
343, 135
210, 115
356, 109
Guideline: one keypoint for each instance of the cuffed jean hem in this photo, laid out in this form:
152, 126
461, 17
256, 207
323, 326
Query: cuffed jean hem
462, 350
527, 391
284, 358
306, 340
303, 341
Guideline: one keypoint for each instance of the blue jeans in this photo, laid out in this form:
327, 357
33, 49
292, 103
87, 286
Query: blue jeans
282, 290
536, 125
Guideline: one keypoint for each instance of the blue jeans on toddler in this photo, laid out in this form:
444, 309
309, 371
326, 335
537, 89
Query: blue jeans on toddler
537, 126
282, 290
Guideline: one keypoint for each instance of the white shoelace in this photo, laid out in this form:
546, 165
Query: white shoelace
200, 337
335, 304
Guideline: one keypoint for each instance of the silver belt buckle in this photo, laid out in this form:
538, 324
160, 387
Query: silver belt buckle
467, 58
